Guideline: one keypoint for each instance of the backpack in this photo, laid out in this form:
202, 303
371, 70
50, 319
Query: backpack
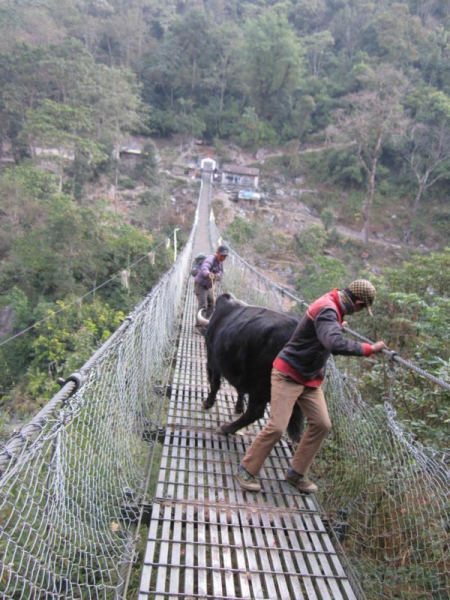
198, 261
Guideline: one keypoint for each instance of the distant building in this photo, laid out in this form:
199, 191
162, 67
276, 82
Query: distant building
248, 198
208, 164
242, 176
58, 152
248, 195
130, 150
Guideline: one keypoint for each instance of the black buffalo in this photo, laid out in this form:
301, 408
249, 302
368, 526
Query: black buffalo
242, 342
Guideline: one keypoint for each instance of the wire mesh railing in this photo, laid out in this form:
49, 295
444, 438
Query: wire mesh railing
72, 480
386, 496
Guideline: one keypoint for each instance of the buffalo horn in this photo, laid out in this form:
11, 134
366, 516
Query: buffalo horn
201, 320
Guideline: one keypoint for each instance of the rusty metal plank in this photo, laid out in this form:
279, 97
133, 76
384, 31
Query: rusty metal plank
227, 556
190, 552
150, 551
216, 555
286, 590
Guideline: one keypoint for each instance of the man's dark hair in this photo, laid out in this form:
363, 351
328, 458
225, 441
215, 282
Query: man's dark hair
223, 250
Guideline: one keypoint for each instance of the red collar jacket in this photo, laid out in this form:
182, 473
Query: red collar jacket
318, 335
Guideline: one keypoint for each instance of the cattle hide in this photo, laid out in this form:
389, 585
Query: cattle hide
242, 342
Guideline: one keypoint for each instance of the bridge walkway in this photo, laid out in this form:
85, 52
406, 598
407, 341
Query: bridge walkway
210, 540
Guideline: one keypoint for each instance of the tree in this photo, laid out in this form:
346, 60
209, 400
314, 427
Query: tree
188, 120
318, 46
63, 74
25, 83
159, 75
308, 15
397, 34
147, 167
61, 131
23, 189
200, 77
428, 149
348, 27
373, 118
251, 132
60, 248
272, 62
71, 70
315, 276
413, 306
119, 33
224, 81
28, 22
181, 64
430, 10
63, 342
117, 109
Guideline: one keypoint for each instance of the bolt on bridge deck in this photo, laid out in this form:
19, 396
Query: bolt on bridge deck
209, 539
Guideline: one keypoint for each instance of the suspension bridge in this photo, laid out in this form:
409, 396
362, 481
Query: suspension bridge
80, 516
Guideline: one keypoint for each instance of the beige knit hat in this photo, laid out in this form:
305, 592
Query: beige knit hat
363, 290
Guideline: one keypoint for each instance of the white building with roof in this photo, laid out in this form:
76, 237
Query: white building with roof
239, 175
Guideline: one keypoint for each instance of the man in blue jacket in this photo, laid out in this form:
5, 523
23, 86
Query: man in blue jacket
210, 272
297, 375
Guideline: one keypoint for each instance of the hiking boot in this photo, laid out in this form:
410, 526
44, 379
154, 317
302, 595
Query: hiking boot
247, 481
301, 482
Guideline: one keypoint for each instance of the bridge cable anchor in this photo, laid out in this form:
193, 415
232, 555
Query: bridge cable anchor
76, 378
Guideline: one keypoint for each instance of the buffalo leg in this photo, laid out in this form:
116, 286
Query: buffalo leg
239, 406
296, 422
214, 384
255, 410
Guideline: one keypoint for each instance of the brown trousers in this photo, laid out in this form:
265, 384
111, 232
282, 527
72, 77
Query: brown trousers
285, 393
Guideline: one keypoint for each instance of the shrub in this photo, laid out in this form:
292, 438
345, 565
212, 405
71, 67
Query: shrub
240, 231
320, 276
327, 217
148, 198
127, 183
147, 167
311, 241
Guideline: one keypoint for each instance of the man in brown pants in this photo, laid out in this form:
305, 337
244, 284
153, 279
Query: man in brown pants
297, 375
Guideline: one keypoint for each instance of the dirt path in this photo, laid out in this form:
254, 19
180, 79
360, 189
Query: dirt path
304, 212
263, 155
359, 235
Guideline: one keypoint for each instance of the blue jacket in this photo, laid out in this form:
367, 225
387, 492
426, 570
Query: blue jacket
209, 265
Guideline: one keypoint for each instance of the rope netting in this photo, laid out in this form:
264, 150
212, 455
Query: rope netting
385, 496
71, 481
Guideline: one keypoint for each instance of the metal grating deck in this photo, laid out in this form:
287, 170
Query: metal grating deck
209, 539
